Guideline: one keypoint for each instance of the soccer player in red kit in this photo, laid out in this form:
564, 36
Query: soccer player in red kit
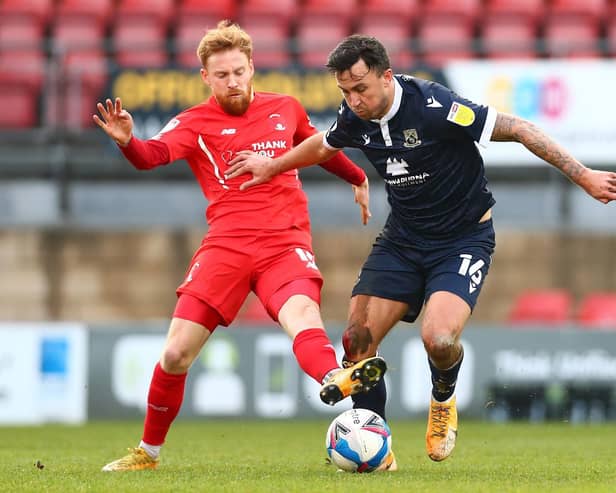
257, 241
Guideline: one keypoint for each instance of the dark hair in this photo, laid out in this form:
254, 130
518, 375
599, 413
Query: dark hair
353, 48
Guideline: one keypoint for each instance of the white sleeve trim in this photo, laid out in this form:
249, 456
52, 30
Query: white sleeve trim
328, 145
488, 127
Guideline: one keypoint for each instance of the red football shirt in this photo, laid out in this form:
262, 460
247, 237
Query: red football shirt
207, 138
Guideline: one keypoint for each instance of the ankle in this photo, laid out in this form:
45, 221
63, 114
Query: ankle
152, 450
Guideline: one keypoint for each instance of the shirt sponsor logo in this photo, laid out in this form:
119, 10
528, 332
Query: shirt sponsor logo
461, 115
408, 180
268, 148
396, 167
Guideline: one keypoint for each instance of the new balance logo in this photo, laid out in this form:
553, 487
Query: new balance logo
228, 131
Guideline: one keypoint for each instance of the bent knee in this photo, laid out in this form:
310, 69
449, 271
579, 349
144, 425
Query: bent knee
440, 344
176, 360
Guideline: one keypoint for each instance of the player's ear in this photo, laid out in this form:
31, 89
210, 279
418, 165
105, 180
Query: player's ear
204, 76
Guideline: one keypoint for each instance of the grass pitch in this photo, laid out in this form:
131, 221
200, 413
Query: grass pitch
289, 456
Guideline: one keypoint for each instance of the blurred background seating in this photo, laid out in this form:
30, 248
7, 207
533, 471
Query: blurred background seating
542, 307
95, 36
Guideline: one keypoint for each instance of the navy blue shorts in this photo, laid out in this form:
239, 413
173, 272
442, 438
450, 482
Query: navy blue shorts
412, 272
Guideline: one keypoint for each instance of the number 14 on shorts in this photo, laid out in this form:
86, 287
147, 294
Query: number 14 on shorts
472, 269
307, 257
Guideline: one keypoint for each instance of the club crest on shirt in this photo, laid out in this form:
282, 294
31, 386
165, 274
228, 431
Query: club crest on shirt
461, 115
411, 139
277, 122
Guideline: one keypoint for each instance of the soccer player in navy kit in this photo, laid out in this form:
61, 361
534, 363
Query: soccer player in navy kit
435, 249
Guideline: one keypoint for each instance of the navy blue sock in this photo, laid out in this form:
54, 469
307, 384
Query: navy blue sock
374, 400
444, 381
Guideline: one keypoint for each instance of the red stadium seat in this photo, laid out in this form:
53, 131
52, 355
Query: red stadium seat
23, 68
22, 59
80, 50
21, 35
140, 45
508, 38
610, 35
546, 307
145, 11
315, 40
571, 38
442, 40
19, 105
71, 35
39, 11
598, 310
186, 41
458, 12
395, 11
209, 12
270, 41
92, 12
77, 87
339, 12
281, 11
579, 10
395, 36
530, 11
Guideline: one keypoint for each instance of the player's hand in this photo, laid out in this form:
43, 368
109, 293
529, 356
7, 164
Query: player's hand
362, 197
116, 122
599, 184
251, 162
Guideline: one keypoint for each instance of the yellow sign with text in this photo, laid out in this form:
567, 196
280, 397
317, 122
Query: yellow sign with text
174, 90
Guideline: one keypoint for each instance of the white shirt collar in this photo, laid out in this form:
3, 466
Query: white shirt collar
395, 105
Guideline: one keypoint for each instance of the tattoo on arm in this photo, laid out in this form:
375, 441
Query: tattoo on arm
510, 128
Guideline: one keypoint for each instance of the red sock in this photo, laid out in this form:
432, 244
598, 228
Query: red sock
315, 353
164, 400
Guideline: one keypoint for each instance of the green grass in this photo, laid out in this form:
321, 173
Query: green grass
289, 456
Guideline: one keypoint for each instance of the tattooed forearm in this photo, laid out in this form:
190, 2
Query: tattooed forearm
510, 128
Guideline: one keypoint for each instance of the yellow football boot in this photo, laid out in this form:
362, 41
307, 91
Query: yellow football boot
136, 460
442, 429
360, 377
389, 465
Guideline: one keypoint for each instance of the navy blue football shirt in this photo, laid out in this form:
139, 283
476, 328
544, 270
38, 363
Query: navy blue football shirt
424, 148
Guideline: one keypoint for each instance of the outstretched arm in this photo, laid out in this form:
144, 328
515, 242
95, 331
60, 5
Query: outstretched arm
598, 184
310, 151
117, 123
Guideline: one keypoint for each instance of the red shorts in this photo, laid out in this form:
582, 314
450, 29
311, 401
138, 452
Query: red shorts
224, 270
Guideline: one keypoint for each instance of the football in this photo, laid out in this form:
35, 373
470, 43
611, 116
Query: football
358, 440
